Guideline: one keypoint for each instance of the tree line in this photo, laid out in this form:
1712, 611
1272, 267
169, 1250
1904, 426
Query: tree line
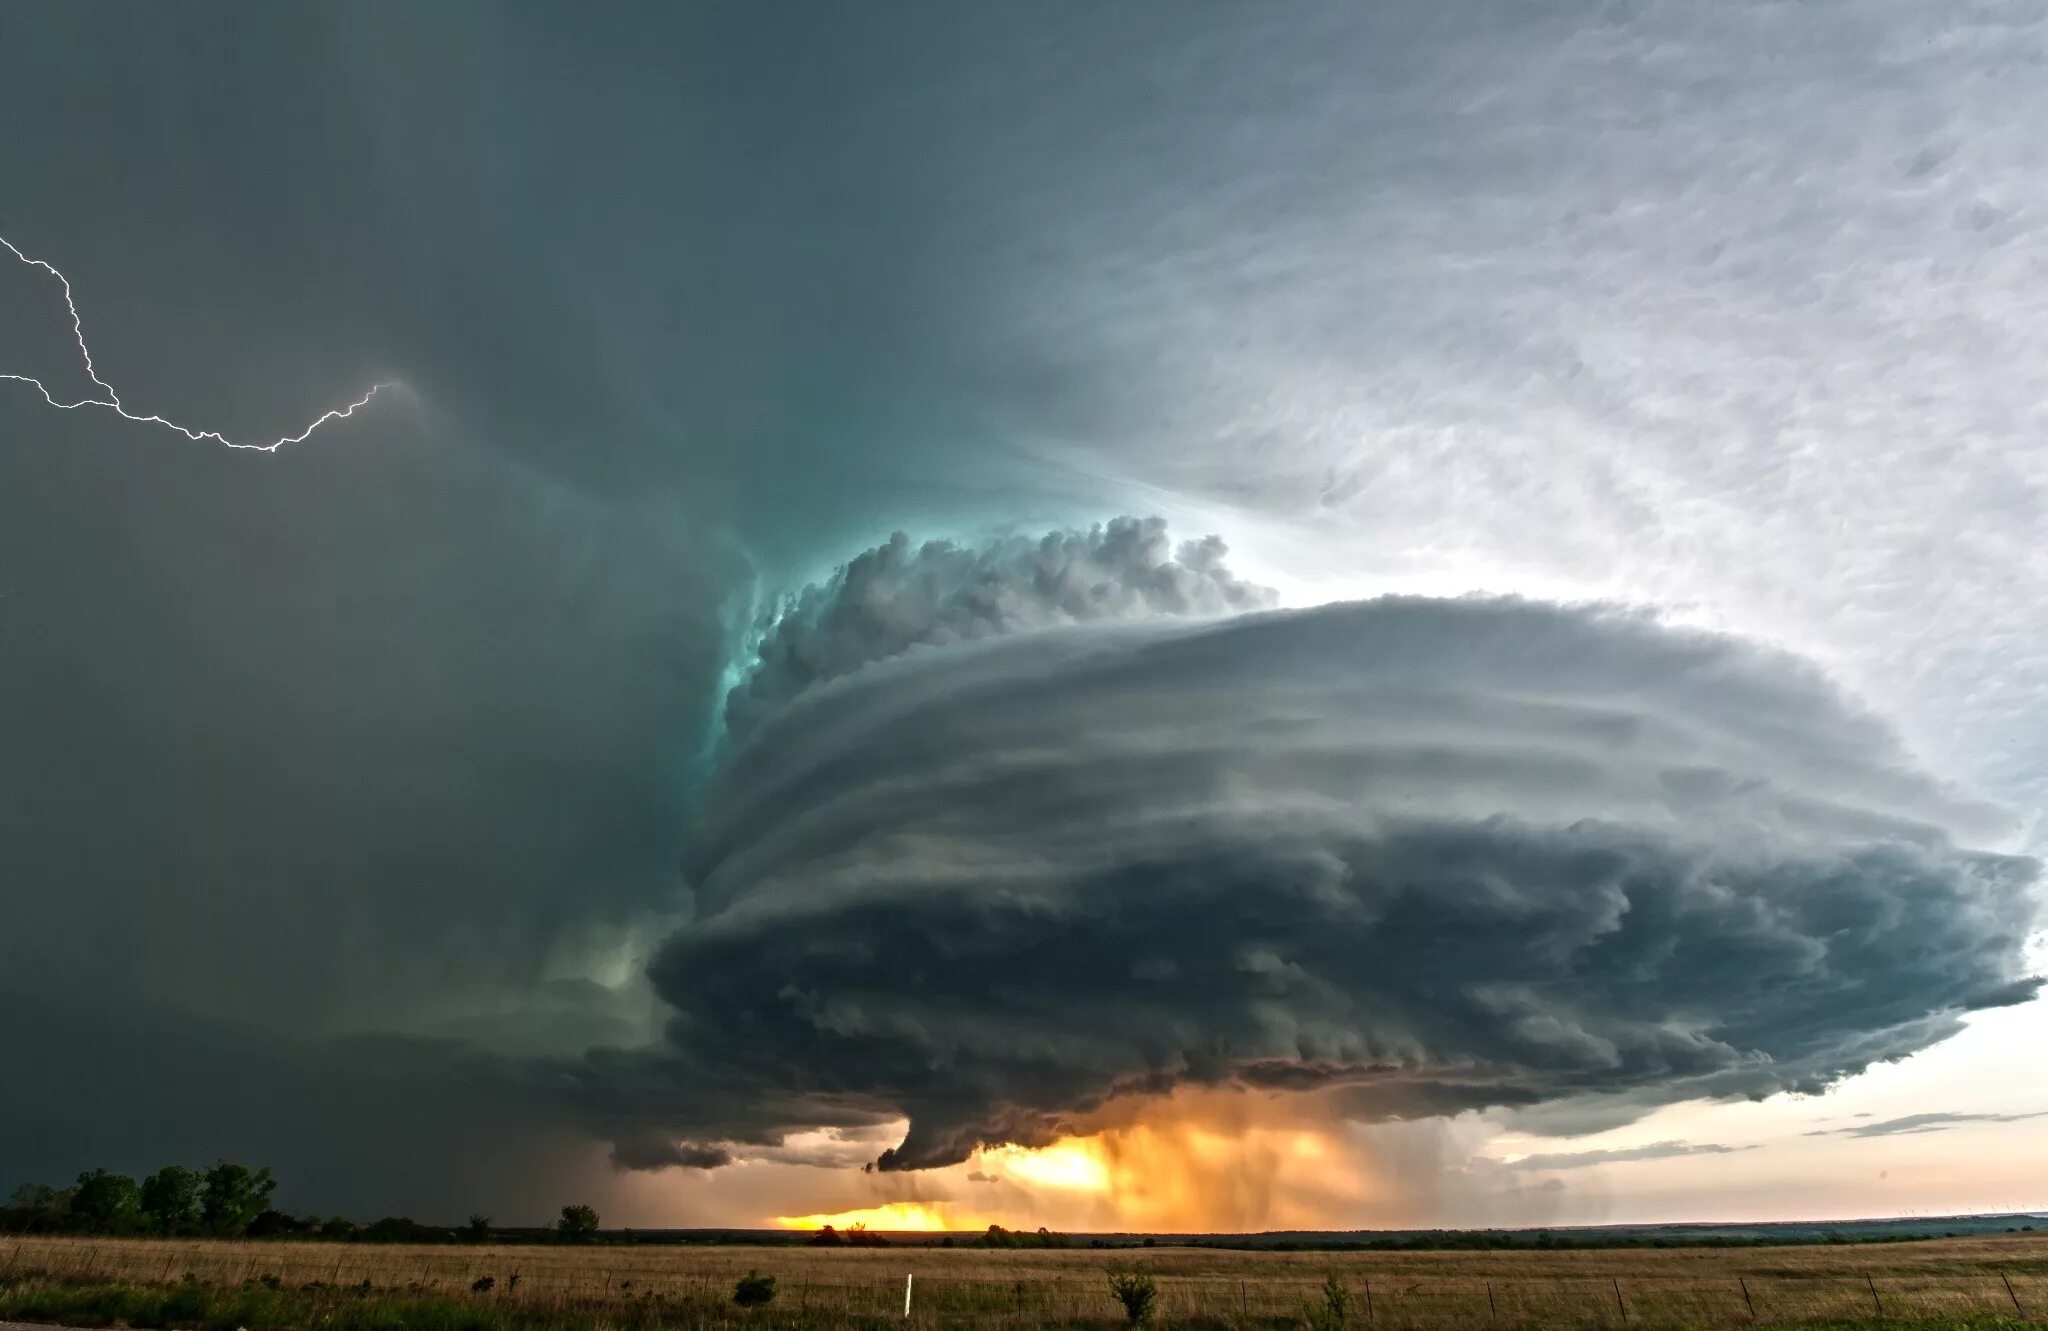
229, 1201
225, 1201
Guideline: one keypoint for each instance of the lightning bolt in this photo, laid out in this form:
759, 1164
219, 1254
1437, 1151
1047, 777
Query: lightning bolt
112, 400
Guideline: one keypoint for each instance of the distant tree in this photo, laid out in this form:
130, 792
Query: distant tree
578, 1223
339, 1227
232, 1196
170, 1200
273, 1224
827, 1237
106, 1203
478, 1229
38, 1208
401, 1229
998, 1237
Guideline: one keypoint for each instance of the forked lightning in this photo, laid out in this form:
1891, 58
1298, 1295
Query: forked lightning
112, 400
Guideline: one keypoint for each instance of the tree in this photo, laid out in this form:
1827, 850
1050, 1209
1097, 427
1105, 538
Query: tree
170, 1199
233, 1196
478, 1229
40, 1208
275, 1224
106, 1203
577, 1223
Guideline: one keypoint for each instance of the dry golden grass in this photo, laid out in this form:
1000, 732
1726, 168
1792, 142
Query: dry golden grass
1698, 1286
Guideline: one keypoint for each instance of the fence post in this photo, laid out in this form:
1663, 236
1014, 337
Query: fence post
1368, 1297
1492, 1308
1617, 1298
1747, 1301
2010, 1295
906, 1294
1875, 1302
1240, 1299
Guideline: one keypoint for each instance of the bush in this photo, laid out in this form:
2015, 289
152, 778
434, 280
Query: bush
1336, 1310
754, 1290
1137, 1292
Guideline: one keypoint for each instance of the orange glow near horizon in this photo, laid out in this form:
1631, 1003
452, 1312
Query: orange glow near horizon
1177, 1168
1191, 1163
889, 1217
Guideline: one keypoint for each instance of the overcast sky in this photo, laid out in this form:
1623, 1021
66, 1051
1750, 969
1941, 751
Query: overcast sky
348, 791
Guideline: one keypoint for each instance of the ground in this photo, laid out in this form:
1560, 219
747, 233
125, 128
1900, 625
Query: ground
1950, 1281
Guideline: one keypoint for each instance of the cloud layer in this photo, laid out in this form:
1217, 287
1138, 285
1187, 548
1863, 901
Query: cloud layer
896, 597
1439, 854
1910, 1124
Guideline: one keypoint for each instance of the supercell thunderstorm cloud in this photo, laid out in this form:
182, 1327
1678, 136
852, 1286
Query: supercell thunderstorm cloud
1033, 838
1464, 575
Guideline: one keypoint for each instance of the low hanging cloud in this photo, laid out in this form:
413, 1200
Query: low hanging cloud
660, 1153
1913, 1124
1621, 1155
1423, 855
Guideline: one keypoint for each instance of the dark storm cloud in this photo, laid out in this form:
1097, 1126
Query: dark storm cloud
1623, 1155
1919, 1123
323, 740
1436, 854
656, 1153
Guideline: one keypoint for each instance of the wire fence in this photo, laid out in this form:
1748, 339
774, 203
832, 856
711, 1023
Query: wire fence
1078, 1291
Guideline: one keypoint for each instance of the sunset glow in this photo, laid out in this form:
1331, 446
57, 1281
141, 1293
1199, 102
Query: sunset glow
1080, 1165
1191, 1163
892, 1217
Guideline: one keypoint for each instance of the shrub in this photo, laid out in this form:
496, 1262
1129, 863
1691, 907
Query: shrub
1137, 1292
1336, 1310
482, 1284
754, 1290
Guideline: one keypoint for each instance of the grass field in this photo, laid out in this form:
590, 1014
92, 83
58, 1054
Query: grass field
1971, 1281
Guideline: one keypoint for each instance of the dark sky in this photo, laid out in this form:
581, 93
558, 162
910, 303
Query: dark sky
396, 735
342, 786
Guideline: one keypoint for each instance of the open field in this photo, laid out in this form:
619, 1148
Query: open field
2002, 1277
